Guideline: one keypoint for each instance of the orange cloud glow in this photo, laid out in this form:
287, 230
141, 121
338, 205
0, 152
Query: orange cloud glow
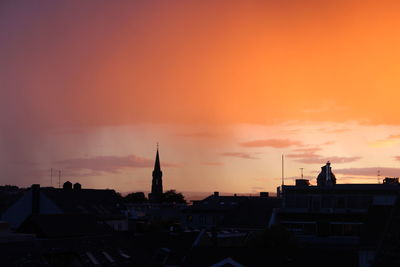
214, 82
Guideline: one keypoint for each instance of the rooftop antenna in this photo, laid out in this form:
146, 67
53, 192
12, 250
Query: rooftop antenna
283, 170
301, 169
51, 177
379, 176
59, 179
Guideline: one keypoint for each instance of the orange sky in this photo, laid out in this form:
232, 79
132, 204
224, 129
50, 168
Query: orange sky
85, 85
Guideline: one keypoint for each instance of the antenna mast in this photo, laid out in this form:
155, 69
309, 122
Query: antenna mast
283, 170
59, 179
301, 169
379, 176
51, 177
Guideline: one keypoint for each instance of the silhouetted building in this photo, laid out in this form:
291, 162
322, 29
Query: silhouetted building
387, 253
339, 216
247, 212
156, 184
63, 225
326, 176
105, 205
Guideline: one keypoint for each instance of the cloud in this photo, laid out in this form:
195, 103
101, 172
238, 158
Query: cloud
109, 164
391, 140
303, 155
307, 150
275, 143
328, 143
338, 130
212, 163
243, 155
330, 130
369, 171
319, 159
384, 143
198, 134
310, 157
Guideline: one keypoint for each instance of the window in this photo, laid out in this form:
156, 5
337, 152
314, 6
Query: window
336, 229
309, 228
302, 201
340, 202
352, 229
327, 202
316, 203
323, 229
202, 219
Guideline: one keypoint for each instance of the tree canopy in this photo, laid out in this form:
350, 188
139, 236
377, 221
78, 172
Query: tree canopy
136, 197
171, 196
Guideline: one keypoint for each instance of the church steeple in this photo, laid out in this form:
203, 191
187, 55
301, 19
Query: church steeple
157, 162
156, 185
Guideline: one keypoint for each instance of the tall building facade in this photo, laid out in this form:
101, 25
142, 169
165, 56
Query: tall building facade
156, 184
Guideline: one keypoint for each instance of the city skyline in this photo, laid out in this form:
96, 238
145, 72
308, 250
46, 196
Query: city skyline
225, 88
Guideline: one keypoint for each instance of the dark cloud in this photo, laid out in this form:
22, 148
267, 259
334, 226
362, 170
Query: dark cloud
109, 164
275, 143
243, 155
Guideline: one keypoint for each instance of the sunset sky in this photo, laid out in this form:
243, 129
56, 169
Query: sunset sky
225, 87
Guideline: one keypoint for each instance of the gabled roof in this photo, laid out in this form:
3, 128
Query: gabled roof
227, 262
105, 204
240, 211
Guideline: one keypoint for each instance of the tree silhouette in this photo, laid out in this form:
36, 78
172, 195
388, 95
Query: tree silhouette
137, 197
171, 196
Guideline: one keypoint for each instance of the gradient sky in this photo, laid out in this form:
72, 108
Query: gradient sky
225, 87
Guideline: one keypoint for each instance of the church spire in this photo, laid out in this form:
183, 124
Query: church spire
157, 162
156, 184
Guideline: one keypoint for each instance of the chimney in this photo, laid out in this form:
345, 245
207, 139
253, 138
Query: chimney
35, 198
302, 182
67, 185
264, 194
216, 194
77, 186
